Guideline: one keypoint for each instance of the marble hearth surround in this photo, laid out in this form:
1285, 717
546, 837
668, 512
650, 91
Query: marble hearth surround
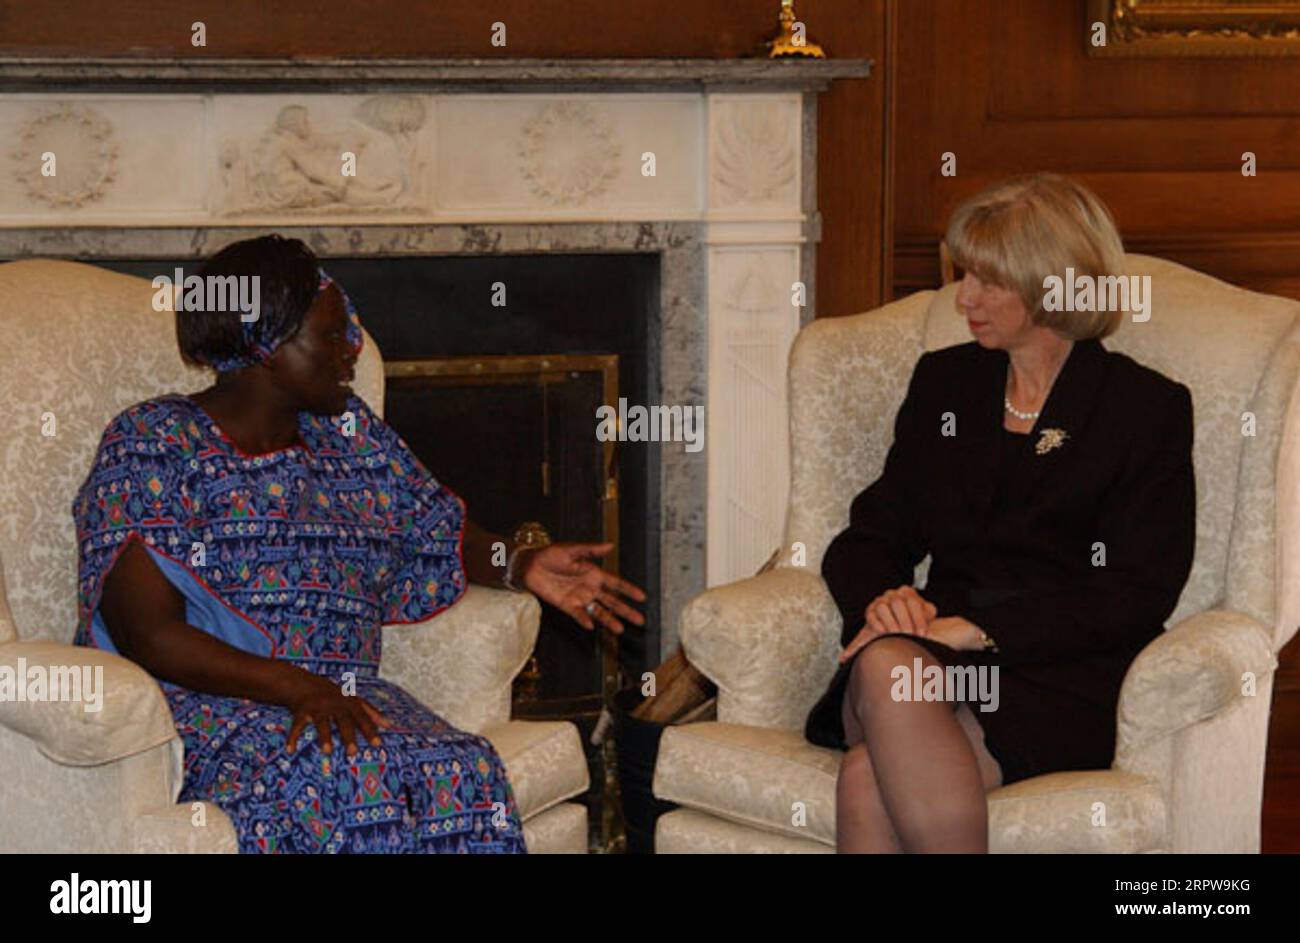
174, 160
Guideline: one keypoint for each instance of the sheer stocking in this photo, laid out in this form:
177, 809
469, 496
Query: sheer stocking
916, 772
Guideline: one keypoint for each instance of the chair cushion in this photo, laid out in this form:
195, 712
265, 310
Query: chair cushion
751, 775
687, 832
544, 761
754, 776
560, 830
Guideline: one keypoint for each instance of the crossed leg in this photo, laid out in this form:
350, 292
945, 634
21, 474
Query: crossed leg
916, 772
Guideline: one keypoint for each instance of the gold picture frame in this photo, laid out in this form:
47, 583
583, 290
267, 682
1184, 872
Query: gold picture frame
1195, 27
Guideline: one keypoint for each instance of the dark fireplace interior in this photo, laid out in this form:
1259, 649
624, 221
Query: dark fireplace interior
521, 445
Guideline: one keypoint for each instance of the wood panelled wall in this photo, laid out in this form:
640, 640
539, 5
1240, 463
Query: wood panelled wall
852, 257
1008, 87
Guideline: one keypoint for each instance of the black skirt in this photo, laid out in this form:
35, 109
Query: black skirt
1037, 727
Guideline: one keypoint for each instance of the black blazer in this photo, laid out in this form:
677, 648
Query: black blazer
1014, 548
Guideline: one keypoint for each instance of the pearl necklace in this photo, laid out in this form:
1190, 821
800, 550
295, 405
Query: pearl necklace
1023, 417
1006, 400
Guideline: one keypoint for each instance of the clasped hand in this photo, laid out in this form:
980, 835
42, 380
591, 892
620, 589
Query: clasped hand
904, 610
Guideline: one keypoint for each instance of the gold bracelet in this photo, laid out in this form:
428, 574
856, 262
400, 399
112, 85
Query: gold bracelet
530, 535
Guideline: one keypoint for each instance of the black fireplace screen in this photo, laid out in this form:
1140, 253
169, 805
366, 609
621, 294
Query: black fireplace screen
533, 457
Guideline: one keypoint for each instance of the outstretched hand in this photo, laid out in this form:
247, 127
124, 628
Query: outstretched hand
565, 576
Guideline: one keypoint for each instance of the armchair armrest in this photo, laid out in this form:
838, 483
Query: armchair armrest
769, 643
118, 709
1189, 674
461, 662
1057, 813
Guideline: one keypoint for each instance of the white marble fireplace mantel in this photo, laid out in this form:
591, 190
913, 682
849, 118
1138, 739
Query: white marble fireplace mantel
165, 155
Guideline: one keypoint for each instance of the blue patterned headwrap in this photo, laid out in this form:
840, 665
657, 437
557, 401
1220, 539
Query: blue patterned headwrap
261, 346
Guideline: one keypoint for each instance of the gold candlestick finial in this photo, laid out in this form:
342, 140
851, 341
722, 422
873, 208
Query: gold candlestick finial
793, 39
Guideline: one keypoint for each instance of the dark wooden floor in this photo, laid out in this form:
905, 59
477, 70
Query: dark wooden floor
1281, 826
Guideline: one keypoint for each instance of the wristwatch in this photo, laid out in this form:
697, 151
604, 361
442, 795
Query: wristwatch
530, 535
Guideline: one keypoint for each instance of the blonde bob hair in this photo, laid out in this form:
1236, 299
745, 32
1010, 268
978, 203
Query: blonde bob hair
1016, 233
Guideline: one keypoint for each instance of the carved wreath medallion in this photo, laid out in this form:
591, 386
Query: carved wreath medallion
85, 155
568, 154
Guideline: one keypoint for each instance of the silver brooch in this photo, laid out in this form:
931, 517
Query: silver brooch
1050, 439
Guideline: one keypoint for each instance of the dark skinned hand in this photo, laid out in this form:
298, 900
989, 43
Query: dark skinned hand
316, 699
565, 576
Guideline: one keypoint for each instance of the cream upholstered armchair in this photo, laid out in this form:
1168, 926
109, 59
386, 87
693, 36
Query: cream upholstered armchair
1188, 768
77, 345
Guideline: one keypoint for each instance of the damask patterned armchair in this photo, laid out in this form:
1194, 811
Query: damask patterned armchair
77, 345
1189, 763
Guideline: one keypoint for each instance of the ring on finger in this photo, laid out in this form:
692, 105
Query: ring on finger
591, 607
609, 601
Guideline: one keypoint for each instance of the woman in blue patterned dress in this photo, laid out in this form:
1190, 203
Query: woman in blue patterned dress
246, 544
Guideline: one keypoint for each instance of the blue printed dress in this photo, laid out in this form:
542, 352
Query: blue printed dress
302, 554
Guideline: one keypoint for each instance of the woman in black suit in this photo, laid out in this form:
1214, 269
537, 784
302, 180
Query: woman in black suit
1051, 482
